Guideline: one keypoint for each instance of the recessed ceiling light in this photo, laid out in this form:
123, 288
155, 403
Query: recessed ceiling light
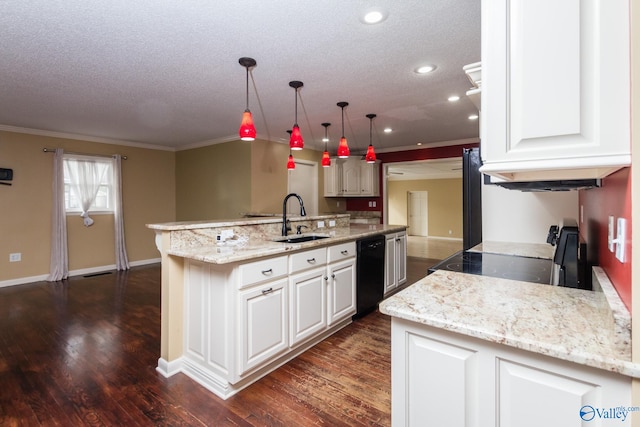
374, 17
473, 117
388, 130
419, 143
454, 98
425, 69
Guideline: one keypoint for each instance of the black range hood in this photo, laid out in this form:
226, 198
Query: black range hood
555, 185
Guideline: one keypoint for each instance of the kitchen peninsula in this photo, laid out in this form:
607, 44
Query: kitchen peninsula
484, 351
238, 300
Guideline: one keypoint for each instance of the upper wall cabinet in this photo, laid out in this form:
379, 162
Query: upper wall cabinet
555, 88
352, 177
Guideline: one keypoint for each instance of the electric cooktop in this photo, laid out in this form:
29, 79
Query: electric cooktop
525, 269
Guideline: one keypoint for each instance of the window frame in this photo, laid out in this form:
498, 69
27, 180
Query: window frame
68, 190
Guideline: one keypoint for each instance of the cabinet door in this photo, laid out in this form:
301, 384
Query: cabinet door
433, 382
333, 179
401, 258
369, 179
390, 281
351, 177
556, 88
264, 326
341, 294
532, 396
307, 304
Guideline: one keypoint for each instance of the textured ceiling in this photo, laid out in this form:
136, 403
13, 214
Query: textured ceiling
166, 73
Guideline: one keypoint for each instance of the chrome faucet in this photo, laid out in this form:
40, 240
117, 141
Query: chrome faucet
285, 225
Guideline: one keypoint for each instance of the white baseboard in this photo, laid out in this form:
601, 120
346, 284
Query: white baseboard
80, 272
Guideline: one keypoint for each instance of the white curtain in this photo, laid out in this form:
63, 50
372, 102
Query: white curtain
86, 177
122, 262
59, 266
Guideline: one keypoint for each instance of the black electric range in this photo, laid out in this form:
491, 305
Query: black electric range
525, 269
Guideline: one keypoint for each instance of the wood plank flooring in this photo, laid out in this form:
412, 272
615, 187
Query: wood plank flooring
84, 352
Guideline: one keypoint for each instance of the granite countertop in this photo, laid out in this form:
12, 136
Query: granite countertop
585, 327
192, 225
531, 250
262, 247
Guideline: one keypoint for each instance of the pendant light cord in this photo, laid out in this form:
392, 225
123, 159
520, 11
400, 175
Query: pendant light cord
247, 91
296, 99
343, 122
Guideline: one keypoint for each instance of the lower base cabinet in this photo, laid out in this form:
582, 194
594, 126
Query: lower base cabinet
244, 320
441, 378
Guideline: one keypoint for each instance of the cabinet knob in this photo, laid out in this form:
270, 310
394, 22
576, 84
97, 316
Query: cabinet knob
333, 276
344, 252
267, 291
267, 272
326, 278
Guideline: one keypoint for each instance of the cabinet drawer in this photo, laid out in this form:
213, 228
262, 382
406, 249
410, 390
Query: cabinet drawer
259, 271
308, 259
342, 251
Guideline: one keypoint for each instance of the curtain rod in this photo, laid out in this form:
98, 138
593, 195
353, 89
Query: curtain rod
52, 150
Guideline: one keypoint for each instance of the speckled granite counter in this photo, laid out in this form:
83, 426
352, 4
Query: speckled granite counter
532, 250
253, 237
588, 328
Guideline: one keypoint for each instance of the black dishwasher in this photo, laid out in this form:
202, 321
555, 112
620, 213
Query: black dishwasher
369, 274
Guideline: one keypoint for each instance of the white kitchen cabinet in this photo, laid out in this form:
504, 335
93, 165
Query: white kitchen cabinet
395, 261
341, 295
307, 295
352, 177
341, 282
333, 179
556, 89
369, 179
243, 320
264, 323
443, 378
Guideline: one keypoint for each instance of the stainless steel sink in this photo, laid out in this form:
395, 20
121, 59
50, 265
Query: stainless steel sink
300, 238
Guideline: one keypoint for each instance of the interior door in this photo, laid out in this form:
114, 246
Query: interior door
303, 180
418, 213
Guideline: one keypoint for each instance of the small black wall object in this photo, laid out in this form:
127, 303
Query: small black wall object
6, 174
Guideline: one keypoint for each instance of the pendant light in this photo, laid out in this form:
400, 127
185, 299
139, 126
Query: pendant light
343, 148
247, 130
370, 157
296, 142
326, 160
291, 164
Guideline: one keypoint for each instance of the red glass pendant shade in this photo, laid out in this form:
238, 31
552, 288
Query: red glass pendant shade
247, 129
343, 148
296, 142
291, 164
326, 160
370, 157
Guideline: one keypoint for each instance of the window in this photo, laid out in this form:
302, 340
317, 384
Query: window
89, 178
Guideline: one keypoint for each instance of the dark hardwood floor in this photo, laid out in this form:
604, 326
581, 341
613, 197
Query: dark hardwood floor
84, 351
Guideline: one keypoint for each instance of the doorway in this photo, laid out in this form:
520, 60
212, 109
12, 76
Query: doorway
418, 212
303, 180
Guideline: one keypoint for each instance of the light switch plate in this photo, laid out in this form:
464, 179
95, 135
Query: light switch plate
621, 239
611, 234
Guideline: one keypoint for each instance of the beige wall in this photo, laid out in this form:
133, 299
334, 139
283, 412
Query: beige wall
223, 181
213, 182
444, 204
148, 196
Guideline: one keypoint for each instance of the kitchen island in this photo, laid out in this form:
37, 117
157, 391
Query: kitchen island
237, 303
482, 351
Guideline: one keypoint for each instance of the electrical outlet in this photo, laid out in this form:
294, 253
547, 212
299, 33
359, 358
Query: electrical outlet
320, 224
15, 257
332, 223
374, 203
